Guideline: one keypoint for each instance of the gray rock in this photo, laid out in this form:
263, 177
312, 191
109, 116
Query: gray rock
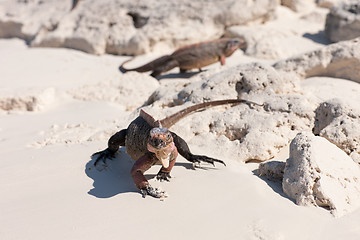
343, 21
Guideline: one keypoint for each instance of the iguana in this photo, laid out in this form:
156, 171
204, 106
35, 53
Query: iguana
191, 56
149, 142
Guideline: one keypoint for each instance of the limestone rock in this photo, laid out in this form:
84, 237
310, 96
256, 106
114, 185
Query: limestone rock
276, 39
91, 28
251, 132
320, 174
343, 21
328, 3
269, 43
239, 80
110, 26
27, 100
339, 124
273, 170
25, 19
341, 60
299, 5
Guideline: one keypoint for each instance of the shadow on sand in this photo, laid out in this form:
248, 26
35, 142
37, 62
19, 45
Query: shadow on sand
177, 75
114, 177
170, 75
318, 37
275, 185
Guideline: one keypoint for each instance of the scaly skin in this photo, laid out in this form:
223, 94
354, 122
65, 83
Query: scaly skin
192, 56
149, 142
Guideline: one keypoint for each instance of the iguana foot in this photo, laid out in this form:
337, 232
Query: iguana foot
197, 159
154, 192
103, 155
163, 176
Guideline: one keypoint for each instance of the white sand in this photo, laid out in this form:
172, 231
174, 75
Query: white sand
50, 189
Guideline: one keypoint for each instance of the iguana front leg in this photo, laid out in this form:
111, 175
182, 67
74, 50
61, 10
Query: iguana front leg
115, 141
164, 173
184, 151
137, 173
222, 60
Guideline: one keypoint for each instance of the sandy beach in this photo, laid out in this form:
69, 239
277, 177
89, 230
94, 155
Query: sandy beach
60, 105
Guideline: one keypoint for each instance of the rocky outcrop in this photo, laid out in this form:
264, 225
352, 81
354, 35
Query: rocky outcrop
272, 170
299, 5
343, 21
339, 124
251, 132
266, 42
307, 5
125, 27
340, 60
318, 173
25, 19
328, 3
27, 100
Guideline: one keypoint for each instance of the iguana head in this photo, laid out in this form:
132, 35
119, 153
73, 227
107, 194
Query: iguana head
232, 45
161, 143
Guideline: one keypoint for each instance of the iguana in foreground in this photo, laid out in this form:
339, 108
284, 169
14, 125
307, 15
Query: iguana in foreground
149, 142
191, 56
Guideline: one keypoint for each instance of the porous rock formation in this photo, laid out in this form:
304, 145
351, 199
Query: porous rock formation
112, 26
272, 170
269, 43
340, 60
339, 124
307, 5
343, 21
320, 174
299, 5
27, 100
251, 132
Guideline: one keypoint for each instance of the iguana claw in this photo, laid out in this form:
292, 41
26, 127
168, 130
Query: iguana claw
154, 192
103, 155
202, 158
163, 176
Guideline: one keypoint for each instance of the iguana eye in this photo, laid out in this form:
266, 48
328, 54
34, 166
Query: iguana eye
168, 136
232, 43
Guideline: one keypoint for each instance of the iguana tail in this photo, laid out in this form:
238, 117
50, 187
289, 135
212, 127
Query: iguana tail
172, 119
151, 66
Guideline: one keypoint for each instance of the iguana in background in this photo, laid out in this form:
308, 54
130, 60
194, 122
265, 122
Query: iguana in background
191, 56
149, 142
